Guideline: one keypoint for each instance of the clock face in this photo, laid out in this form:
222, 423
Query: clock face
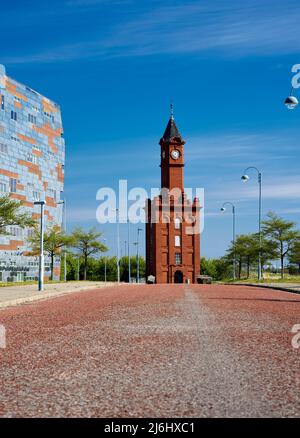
175, 154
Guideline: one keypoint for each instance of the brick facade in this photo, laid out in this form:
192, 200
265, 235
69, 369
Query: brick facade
172, 229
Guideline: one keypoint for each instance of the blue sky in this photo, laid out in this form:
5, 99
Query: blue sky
114, 66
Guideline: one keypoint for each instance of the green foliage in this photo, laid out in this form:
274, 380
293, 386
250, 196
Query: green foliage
133, 268
87, 243
11, 214
218, 269
282, 233
294, 256
96, 268
72, 267
54, 241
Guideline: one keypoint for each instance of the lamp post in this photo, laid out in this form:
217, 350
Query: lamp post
223, 209
128, 243
138, 256
118, 244
245, 178
41, 258
136, 244
104, 240
64, 203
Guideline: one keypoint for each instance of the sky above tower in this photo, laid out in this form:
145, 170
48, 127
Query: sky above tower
115, 66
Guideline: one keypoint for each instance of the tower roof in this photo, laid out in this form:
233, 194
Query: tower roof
171, 131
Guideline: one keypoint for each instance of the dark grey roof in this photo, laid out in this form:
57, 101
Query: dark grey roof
171, 131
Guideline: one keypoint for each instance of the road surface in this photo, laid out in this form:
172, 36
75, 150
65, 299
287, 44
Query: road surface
153, 351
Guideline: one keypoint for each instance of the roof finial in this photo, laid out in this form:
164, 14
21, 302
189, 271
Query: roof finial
172, 111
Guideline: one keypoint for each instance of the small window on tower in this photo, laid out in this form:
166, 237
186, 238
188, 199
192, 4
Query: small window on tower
177, 223
177, 240
177, 258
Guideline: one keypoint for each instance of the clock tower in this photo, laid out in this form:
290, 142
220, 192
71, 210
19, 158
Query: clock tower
172, 160
172, 229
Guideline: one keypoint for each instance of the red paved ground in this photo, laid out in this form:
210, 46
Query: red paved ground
153, 351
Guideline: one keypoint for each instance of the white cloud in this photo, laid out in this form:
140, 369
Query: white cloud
228, 28
281, 188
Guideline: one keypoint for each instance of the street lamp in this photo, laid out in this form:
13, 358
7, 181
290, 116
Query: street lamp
223, 209
245, 178
41, 259
104, 240
136, 244
291, 101
128, 243
118, 244
64, 203
138, 256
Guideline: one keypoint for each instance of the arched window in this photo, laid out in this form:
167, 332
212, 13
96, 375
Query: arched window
177, 223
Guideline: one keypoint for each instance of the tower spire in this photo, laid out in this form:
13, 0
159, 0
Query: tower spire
171, 131
171, 111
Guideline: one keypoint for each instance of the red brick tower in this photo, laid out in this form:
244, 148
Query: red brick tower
172, 229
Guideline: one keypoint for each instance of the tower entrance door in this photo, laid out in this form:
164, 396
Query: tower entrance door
178, 277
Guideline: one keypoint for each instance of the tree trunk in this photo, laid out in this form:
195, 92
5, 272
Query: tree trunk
85, 268
52, 266
281, 259
248, 268
240, 268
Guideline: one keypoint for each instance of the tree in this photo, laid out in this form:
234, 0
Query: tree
218, 269
281, 232
72, 266
208, 267
294, 256
54, 240
11, 214
87, 243
247, 249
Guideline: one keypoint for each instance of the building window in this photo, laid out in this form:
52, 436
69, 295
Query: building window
50, 116
12, 185
15, 138
2, 102
32, 158
177, 240
177, 258
30, 233
177, 223
2, 187
52, 193
3, 148
32, 119
13, 115
16, 231
36, 196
